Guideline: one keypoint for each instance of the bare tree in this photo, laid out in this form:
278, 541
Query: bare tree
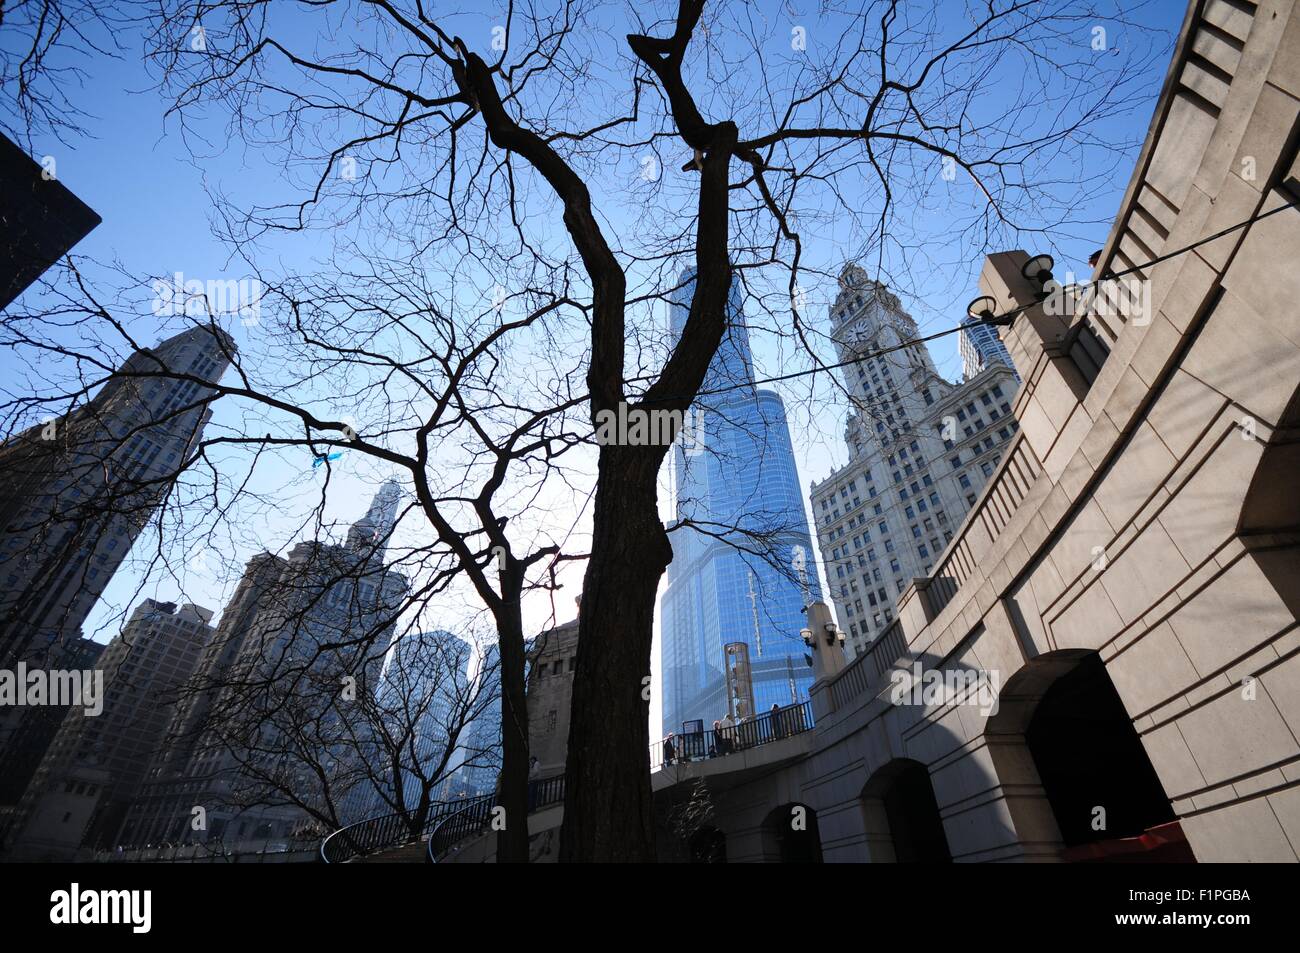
44, 45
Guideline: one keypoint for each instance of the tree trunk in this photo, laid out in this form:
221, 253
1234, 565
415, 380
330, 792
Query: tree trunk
608, 813
512, 793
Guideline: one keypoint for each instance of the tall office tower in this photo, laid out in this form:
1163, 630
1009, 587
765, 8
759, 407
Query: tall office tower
26, 733
739, 517
88, 776
920, 448
426, 701
162, 810
483, 739
79, 489
297, 632
981, 348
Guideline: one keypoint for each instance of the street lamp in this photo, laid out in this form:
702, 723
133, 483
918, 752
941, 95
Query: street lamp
1038, 271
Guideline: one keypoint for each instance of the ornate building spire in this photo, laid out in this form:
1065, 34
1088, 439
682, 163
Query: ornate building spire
370, 533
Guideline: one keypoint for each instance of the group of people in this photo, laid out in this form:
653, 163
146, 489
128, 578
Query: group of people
729, 736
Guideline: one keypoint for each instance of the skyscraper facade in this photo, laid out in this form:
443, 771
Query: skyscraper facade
739, 522
79, 489
426, 698
920, 449
143, 667
299, 628
981, 348
482, 744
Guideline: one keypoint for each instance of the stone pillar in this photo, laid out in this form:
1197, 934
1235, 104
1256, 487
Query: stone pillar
825, 640
1052, 386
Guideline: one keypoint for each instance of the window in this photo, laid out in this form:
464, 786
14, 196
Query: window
956, 462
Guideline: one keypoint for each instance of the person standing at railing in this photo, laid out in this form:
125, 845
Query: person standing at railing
670, 750
534, 769
727, 744
774, 722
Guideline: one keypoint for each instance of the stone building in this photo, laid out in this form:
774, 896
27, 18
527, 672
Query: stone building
553, 656
80, 792
1107, 651
920, 450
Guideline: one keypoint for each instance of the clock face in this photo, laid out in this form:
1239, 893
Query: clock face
862, 330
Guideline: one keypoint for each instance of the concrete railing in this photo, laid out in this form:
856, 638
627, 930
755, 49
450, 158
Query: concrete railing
865, 671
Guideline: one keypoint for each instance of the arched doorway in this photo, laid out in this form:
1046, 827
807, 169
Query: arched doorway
902, 816
791, 835
708, 845
1088, 778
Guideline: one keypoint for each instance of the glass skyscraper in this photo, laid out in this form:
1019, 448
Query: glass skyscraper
980, 348
739, 517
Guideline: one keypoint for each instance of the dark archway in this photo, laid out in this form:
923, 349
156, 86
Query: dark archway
792, 835
902, 815
1096, 778
708, 846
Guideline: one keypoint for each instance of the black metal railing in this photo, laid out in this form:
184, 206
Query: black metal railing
718, 743
381, 833
475, 816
